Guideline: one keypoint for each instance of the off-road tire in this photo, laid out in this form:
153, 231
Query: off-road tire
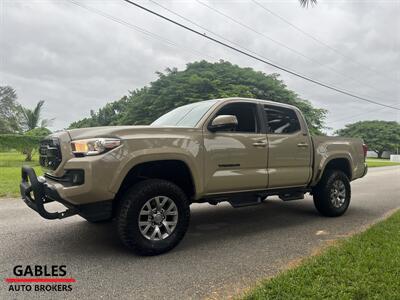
322, 193
132, 202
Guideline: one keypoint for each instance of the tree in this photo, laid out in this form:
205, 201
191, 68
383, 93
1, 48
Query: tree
32, 117
14, 119
306, 3
10, 113
34, 134
199, 81
25, 143
380, 136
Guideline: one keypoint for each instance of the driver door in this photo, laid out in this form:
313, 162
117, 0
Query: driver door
236, 160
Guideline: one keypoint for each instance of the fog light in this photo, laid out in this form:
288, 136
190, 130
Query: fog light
77, 177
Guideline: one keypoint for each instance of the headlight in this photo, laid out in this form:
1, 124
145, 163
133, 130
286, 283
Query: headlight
94, 146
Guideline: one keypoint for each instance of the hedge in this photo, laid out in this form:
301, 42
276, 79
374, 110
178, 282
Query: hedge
23, 143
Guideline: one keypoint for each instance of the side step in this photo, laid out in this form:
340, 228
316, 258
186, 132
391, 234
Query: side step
241, 201
291, 196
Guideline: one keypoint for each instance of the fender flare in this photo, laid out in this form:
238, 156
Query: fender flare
321, 169
151, 157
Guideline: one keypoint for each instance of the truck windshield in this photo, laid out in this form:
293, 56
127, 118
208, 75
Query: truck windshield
185, 116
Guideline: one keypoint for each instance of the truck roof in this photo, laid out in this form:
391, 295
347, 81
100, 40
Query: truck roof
255, 101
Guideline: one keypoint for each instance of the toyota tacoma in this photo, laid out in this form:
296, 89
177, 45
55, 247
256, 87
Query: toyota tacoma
146, 177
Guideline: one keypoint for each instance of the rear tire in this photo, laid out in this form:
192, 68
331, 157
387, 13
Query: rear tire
332, 194
154, 217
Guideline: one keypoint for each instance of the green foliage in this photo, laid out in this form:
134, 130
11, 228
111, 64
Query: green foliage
306, 3
25, 144
200, 81
18, 141
39, 131
10, 112
14, 118
378, 135
31, 118
110, 114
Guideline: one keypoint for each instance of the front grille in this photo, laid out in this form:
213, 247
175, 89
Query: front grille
50, 153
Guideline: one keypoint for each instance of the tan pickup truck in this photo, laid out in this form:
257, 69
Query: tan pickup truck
237, 150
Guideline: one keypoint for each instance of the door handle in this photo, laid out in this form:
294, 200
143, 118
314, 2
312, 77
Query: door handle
259, 144
303, 145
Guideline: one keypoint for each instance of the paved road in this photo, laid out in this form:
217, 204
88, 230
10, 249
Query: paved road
224, 252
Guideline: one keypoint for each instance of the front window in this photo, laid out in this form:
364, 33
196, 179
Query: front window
185, 116
245, 113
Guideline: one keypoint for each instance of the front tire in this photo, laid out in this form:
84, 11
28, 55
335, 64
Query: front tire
332, 194
154, 217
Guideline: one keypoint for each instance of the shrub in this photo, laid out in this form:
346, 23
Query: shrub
26, 144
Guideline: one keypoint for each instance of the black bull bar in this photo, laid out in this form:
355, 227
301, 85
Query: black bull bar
31, 184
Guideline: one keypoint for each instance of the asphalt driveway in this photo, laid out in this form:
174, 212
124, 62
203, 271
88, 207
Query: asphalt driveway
224, 252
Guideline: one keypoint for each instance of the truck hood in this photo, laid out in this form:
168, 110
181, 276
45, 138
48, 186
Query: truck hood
120, 131
106, 131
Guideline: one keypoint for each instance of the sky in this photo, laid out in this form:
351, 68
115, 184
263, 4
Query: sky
78, 55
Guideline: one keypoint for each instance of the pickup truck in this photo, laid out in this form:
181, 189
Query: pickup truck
145, 177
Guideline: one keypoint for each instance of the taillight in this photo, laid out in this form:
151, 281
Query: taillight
365, 149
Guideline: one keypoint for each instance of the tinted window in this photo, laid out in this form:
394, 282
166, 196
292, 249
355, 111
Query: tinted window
281, 120
185, 116
246, 114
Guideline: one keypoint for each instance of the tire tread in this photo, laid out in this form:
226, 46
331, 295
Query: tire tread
321, 194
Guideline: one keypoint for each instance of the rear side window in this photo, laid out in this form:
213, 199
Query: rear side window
281, 120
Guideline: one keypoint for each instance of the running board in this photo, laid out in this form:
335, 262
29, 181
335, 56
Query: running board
237, 202
242, 199
291, 196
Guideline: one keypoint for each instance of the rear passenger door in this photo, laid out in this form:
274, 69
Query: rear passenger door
289, 155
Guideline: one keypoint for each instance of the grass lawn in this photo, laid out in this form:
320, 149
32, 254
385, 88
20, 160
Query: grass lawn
366, 266
375, 162
10, 172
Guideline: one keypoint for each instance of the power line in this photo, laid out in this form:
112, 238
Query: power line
137, 28
204, 28
237, 44
259, 59
285, 46
255, 31
318, 40
356, 115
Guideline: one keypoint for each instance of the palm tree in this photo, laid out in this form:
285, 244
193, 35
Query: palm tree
32, 117
306, 3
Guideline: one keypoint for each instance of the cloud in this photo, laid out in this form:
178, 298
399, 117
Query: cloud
77, 60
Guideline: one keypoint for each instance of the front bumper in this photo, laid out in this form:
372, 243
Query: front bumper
42, 193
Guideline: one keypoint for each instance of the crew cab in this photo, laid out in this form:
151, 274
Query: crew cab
146, 177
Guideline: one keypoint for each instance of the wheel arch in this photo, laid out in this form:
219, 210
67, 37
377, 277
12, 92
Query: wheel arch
175, 170
337, 163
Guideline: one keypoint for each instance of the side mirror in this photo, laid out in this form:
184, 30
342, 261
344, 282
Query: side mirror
223, 122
